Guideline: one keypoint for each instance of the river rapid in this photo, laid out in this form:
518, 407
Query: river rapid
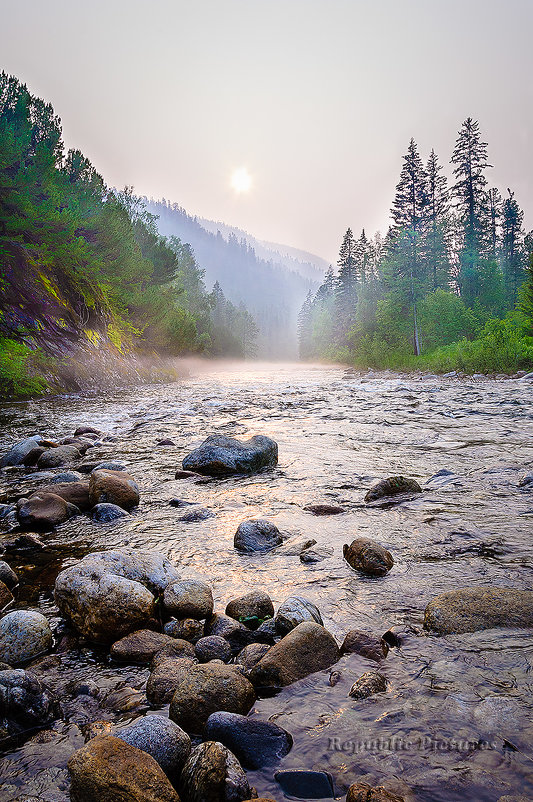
456, 721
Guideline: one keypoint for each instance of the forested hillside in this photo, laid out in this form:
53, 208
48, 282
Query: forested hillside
447, 288
272, 293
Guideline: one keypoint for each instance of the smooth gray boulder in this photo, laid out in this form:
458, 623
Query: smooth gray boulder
220, 456
148, 567
295, 610
18, 452
24, 702
7, 575
257, 535
476, 608
106, 513
161, 738
213, 774
24, 634
255, 743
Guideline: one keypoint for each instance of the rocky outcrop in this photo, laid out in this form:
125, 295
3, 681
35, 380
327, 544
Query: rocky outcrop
113, 487
255, 743
213, 774
392, 486
257, 535
472, 609
23, 634
221, 456
368, 557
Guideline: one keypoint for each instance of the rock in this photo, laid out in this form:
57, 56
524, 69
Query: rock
188, 629
165, 678
148, 567
368, 557
361, 792
220, 455
22, 544
111, 465
31, 459
356, 642
140, 646
256, 604
392, 486
94, 728
179, 502
125, 700
107, 513
187, 475
165, 442
441, 478
7, 575
199, 514
324, 509
113, 487
6, 597
526, 481
255, 743
251, 655
268, 628
108, 769
81, 443
306, 649
475, 608
212, 647
222, 625
76, 493
83, 431
65, 477
304, 784
55, 457
25, 702
294, 611
367, 685
257, 535
213, 774
18, 452
296, 547
206, 689
161, 738
23, 634
316, 555
172, 650
43, 511
189, 598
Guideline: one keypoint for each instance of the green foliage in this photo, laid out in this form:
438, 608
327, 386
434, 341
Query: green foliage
19, 368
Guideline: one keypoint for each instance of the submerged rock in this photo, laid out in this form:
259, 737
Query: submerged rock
257, 535
113, 487
296, 547
255, 743
472, 609
368, 557
392, 486
316, 554
367, 685
161, 738
361, 792
24, 702
295, 610
189, 598
304, 784
213, 774
324, 509
220, 455
44, 511
23, 634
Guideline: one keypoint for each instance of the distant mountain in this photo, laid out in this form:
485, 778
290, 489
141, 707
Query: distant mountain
271, 284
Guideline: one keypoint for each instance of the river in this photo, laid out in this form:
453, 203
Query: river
456, 721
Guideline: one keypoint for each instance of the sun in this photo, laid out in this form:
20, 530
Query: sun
241, 181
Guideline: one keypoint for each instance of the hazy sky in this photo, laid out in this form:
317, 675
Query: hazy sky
316, 98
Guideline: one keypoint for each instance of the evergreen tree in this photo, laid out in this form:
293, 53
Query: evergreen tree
363, 258
437, 221
494, 200
305, 327
346, 284
513, 250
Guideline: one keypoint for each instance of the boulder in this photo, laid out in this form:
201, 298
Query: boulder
368, 557
76, 493
25, 702
305, 649
113, 487
213, 774
17, 453
296, 546
212, 647
108, 769
84, 431
165, 678
254, 605
148, 567
475, 608
220, 455
55, 457
189, 598
186, 629
23, 635
361, 792
172, 650
161, 738
64, 477
237, 635
316, 554
257, 535
196, 515
207, 688
44, 511
367, 685
31, 459
255, 743
140, 646
222, 625
324, 509
295, 610
357, 642
107, 513
6, 597
392, 486
304, 784
251, 655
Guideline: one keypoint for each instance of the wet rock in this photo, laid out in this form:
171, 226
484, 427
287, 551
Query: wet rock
56, 457
173, 649
189, 598
220, 455
368, 557
268, 628
148, 567
251, 655
213, 774
296, 547
392, 486
107, 513
475, 608
111, 465
43, 511
108, 769
367, 685
95, 728
84, 431
165, 678
139, 647
31, 459
324, 509
316, 555
194, 516
6, 597
255, 743
7, 575
294, 611
64, 477
113, 487
23, 634
179, 502
125, 700
24, 702
306, 649
304, 784
212, 647
76, 493
361, 792
257, 535
187, 475
441, 478
256, 604
166, 442
22, 544
161, 738
18, 452
222, 625
188, 629
206, 689
356, 642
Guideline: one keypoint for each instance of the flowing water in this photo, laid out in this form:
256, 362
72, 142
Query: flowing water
456, 720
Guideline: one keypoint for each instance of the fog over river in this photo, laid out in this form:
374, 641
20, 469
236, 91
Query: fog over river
456, 720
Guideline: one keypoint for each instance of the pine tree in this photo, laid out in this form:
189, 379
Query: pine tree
364, 256
346, 284
437, 220
513, 251
305, 327
494, 201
